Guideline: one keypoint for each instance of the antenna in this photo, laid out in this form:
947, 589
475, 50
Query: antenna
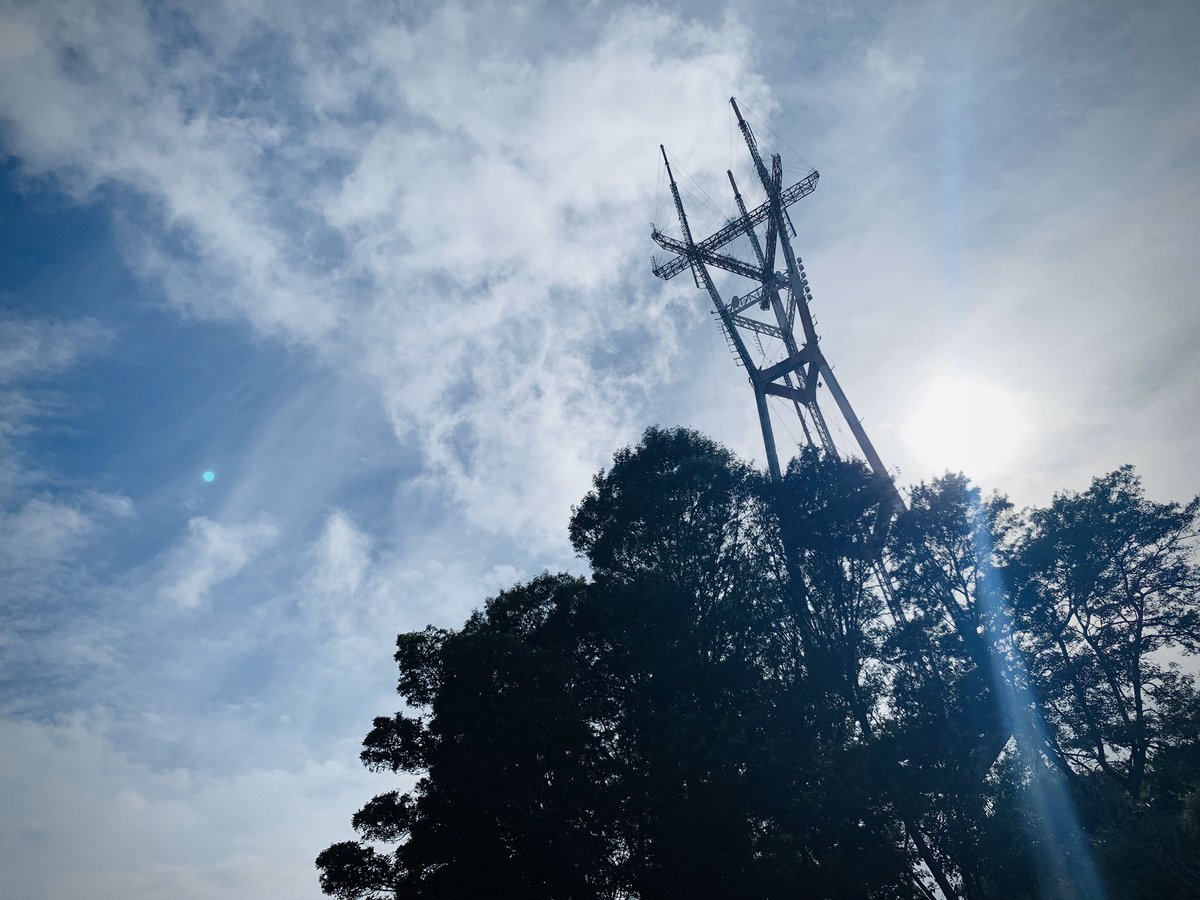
770, 307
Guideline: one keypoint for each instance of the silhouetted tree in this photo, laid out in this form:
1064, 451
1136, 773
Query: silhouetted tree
746, 779
947, 722
1107, 583
1105, 605
727, 706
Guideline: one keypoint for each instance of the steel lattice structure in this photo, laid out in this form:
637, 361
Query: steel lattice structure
771, 306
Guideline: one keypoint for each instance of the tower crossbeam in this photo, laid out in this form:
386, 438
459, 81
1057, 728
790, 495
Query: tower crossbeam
764, 328
758, 295
732, 230
695, 253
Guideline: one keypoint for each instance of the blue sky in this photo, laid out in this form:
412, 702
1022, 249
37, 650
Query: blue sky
383, 270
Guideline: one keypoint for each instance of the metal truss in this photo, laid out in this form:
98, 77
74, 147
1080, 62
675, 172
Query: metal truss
782, 297
771, 305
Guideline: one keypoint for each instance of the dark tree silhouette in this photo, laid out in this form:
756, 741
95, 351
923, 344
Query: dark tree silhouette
1106, 584
727, 707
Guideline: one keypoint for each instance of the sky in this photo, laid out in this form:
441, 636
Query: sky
382, 269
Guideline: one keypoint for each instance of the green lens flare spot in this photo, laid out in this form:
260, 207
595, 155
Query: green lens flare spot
210, 475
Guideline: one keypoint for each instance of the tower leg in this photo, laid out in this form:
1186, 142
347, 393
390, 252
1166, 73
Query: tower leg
860, 433
764, 420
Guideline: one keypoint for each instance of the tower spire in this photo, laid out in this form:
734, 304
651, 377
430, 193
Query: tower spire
773, 305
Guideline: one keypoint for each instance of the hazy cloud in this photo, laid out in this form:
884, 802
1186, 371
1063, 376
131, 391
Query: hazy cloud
211, 553
83, 818
464, 250
32, 348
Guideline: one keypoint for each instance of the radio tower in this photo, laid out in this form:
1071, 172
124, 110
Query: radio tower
770, 306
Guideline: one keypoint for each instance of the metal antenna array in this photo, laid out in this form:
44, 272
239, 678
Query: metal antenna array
771, 305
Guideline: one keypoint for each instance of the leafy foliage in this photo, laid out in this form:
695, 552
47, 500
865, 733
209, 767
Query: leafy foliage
732, 705
1107, 583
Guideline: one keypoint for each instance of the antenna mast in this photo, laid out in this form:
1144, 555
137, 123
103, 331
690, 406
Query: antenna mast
771, 306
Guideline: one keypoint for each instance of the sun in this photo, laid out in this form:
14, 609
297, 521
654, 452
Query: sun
962, 424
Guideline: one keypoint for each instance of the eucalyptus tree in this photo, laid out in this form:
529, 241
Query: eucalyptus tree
1106, 610
726, 706
1107, 597
653, 731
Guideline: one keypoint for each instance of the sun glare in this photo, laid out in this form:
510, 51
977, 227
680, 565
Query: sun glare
966, 425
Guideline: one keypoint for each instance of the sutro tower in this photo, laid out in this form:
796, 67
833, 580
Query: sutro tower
770, 306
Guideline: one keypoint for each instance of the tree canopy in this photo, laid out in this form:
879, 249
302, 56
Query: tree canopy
762, 692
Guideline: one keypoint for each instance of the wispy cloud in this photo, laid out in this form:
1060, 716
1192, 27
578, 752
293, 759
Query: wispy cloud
137, 831
461, 236
43, 531
212, 553
34, 348
341, 558
43, 527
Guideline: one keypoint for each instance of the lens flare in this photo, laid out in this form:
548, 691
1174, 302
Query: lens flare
210, 475
1060, 846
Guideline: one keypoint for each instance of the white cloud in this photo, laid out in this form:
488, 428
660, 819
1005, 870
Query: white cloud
32, 348
341, 557
42, 529
355, 596
211, 553
51, 532
901, 74
479, 226
335, 591
83, 818
43, 539
31, 351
